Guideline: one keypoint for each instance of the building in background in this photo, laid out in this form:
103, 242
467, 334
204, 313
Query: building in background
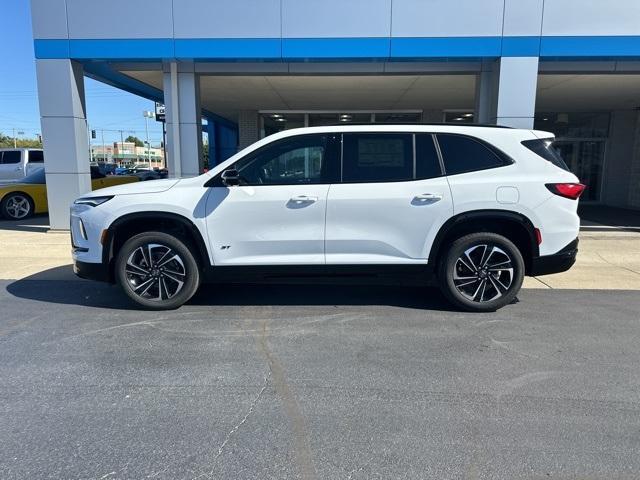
245, 69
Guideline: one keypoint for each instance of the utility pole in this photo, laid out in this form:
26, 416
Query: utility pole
15, 140
104, 150
147, 115
121, 149
90, 138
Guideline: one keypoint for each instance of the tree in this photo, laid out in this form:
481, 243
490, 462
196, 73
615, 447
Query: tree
136, 140
7, 142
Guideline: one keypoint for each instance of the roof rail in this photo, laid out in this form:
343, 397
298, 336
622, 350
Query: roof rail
408, 124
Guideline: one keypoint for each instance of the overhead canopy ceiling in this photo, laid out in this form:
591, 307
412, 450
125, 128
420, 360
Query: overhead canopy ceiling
225, 95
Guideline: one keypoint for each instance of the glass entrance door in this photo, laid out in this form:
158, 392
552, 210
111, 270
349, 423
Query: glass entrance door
585, 158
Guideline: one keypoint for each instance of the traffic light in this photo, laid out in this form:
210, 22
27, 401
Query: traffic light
93, 134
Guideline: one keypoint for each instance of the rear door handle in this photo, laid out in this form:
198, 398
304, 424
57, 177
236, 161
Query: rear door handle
428, 197
304, 199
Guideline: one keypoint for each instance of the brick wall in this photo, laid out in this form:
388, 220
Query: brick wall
248, 128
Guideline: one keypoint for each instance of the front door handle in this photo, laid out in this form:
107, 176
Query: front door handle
304, 199
428, 197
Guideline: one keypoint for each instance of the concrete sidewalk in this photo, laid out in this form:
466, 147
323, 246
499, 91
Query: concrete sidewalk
607, 260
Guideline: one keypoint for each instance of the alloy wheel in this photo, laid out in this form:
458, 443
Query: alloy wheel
18, 207
155, 272
483, 273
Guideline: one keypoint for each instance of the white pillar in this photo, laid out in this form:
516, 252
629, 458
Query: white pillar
64, 135
183, 117
506, 92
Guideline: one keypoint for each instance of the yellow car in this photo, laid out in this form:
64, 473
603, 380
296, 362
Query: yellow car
21, 199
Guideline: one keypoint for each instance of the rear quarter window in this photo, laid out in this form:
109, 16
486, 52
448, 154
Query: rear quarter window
543, 147
462, 154
36, 156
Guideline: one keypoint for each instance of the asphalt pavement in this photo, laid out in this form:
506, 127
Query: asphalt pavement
316, 382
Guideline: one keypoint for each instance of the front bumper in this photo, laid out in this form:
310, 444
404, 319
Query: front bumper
91, 271
556, 263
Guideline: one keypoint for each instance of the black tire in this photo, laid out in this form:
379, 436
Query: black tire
461, 277
154, 263
9, 209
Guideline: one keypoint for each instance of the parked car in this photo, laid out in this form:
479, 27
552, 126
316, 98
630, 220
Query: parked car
17, 163
144, 175
26, 197
474, 208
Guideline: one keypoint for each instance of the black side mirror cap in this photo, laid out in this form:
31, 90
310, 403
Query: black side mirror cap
230, 177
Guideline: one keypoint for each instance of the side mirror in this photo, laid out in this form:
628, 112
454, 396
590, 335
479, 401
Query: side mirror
230, 177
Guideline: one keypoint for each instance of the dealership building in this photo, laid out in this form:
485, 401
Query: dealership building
240, 70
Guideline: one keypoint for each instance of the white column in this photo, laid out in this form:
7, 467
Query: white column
506, 92
64, 135
184, 122
516, 103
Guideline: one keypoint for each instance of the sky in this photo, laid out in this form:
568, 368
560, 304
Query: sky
108, 109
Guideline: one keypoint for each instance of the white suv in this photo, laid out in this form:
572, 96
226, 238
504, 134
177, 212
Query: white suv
475, 208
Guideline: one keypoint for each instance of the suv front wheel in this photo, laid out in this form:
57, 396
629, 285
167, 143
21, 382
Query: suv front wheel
157, 271
481, 272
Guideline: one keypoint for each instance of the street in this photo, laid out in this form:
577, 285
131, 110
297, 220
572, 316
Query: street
316, 382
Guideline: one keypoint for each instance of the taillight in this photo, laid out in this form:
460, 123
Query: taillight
567, 190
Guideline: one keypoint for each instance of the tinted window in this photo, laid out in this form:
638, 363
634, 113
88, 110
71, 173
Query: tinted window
36, 156
427, 161
464, 154
286, 162
10, 156
545, 149
95, 172
382, 157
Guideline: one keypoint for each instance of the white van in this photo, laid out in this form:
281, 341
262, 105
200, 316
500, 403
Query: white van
17, 163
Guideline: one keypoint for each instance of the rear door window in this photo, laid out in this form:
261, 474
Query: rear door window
377, 157
462, 154
544, 148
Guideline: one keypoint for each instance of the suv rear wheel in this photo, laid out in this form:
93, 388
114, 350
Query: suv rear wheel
157, 271
481, 272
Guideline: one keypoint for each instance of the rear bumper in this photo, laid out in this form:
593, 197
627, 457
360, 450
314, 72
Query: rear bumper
556, 263
91, 271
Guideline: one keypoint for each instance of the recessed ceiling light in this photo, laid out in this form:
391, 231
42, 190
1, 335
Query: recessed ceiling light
458, 119
280, 119
468, 115
276, 115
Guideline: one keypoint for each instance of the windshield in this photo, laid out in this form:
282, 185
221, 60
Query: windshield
35, 177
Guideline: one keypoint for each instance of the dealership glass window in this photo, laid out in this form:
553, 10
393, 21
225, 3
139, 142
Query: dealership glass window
464, 154
289, 161
277, 122
397, 117
574, 124
323, 119
581, 140
383, 157
10, 157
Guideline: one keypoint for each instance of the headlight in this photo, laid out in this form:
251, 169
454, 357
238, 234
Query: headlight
93, 201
